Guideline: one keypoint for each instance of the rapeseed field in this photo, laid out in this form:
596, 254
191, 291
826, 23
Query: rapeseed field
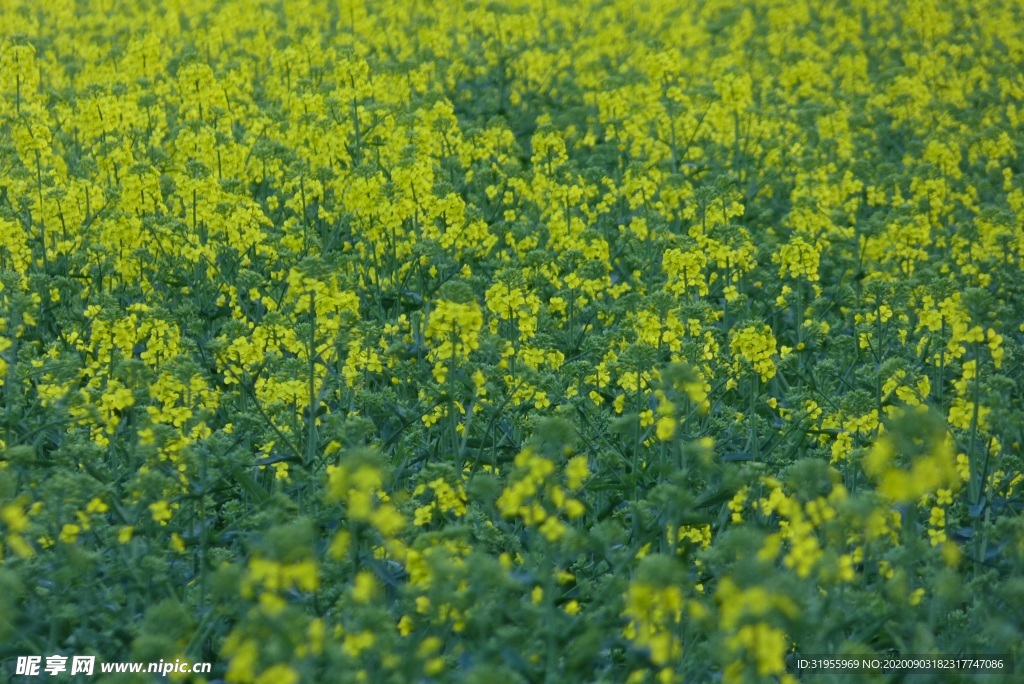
528, 341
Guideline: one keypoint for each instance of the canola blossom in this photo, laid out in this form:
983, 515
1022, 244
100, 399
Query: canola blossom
513, 341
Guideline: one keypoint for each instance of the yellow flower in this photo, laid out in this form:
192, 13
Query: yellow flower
576, 471
756, 346
665, 428
767, 645
13, 516
423, 515
434, 666
685, 270
387, 520
355, 643
281, 470
798, 259
301, 575
364, 588
244, 655
161, 511
553, 529
69, 533
278, 674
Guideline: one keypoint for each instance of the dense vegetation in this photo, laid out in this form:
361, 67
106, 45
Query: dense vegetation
524, 341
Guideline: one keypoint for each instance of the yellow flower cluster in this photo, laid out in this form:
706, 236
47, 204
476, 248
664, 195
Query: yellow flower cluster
239, 240
445, 498
525, 495
276, 577
798, 259
359, 487
512, 303
929, 471
16, 522
653, 614
685, 270
756, 346
749, 617
454, 329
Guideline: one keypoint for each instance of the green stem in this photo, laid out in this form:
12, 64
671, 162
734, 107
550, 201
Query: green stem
311, 426
754, 446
